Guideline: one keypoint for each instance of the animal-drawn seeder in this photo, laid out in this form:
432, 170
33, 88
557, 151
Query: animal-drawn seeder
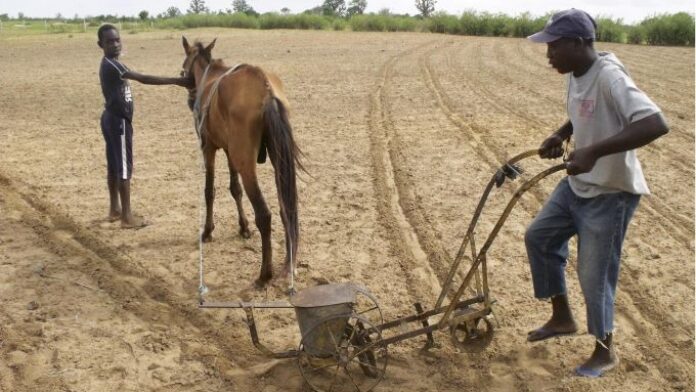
344, 337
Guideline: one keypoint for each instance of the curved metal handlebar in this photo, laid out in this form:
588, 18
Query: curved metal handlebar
479, 208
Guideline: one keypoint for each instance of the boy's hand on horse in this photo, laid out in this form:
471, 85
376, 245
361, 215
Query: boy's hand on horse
157, 80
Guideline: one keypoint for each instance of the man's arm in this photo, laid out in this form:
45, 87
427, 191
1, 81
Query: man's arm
635, 135
157, 80
552, 147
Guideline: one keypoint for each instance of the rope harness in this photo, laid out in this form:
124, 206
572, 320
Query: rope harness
199, 117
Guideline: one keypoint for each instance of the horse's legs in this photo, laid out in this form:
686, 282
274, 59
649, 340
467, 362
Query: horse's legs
209, 161
263, 222
236, 191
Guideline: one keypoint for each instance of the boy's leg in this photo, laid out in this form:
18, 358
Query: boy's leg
128, 220
111, 131
114, 208
603, 221
546, 240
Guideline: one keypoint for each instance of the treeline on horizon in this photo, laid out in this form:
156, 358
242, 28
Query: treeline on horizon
665, 29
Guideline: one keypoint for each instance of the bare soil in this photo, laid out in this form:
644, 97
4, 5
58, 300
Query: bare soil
400, 132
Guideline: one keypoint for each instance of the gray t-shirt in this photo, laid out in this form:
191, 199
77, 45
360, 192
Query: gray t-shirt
601, 103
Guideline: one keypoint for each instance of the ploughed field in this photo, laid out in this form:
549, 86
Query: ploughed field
400, 132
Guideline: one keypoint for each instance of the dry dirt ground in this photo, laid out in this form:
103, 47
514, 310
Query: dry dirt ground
401, 132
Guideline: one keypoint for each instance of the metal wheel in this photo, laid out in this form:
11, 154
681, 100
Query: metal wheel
342, 353
366, 306
471, 335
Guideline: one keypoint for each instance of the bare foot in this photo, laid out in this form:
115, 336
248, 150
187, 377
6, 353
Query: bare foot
552, 328
602, 360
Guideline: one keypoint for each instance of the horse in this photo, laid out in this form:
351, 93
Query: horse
244, 111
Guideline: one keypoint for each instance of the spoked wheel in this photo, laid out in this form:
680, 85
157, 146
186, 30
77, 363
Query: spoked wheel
366, 306
342, 353
471, 335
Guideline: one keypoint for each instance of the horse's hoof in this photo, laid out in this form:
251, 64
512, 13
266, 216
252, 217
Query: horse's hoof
245, 233
207, 237
261, 283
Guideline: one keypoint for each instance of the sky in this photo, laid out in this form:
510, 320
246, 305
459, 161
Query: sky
630, 11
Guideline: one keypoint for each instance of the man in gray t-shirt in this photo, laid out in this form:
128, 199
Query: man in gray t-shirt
609, 117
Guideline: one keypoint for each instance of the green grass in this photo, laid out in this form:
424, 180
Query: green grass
666, 29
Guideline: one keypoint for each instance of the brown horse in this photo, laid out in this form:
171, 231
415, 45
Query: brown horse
243, 111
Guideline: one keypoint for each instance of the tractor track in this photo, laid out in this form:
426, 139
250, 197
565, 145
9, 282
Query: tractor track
411, 232
655, 316
395, 195
146, 296
475, 135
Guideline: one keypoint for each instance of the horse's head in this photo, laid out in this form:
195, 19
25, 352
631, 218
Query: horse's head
194, 53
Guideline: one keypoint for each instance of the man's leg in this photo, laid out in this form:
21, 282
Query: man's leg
603, 221
546, 240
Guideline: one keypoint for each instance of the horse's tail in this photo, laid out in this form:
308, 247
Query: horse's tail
284, 155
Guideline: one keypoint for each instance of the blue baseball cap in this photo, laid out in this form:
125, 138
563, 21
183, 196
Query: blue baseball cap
570, 23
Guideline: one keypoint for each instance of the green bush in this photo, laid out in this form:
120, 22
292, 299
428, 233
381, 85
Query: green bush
524, 25
676, 29
636, 35
610, 30
666, 29
339, 24
444, 24
275, 21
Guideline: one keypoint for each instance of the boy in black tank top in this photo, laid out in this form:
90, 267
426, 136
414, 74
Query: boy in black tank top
116, 123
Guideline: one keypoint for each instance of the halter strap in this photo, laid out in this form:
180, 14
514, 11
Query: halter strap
200, 114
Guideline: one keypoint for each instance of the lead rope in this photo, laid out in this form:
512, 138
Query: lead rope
198, 121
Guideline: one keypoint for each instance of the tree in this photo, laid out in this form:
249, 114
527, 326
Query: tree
357, 7
425, 7
240, 6
244, 7
143, 15
285, 10
20, 15
333, 7
172, 12
318, 10
197, 7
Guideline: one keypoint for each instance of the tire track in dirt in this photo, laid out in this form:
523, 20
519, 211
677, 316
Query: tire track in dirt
655, 207
147, 297
656, 317
409, 231
398, 210
487, 152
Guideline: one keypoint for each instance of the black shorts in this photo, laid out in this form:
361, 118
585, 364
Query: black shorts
118, 135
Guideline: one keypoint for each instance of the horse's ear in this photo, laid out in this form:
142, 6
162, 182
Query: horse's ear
184, 41
210, 46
